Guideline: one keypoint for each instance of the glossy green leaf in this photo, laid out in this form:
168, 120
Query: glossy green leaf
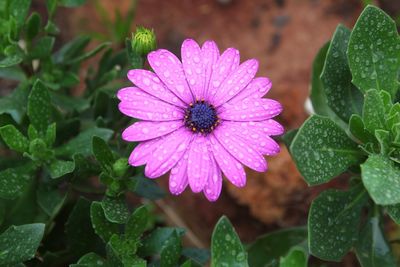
115, 209
269, 248
341, 95
332, 222
137, 223
322, 150
171, 252
43, 47
33, 25
297, 257
226, 248
103, 154
58, 168
14, 139
372, 250
154, 242
373, 111
381, 178
83, 142
71, 3
374, 51
13, 181
19, 10
39, 107
19, 243
102, 227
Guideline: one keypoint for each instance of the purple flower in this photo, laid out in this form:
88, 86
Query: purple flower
200, 118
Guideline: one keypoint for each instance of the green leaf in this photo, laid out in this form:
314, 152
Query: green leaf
39, 107
58, 168
171, 252
42, 48
15, 103
89, 54
373, 111
101, 225
374, 52
82, 142
341, 95
372, 250
69, 103
197, 255
322, 150
19, 10
137, 223
50, 200
14, 56
51, 6
12, 73
33, 25
226, 248
333, 217
269, 248
91, 260
103, 154
13, 181
14, 139
384, 141
394, 212
154, 242
50, 136
381, 178
71, 49
357, 129
115, 209
145, 187
19, 243
72, 3
297, 257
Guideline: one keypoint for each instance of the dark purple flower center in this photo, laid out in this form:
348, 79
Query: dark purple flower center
201, 117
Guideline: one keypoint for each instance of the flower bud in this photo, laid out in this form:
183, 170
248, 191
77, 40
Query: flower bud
143, 41
120, 167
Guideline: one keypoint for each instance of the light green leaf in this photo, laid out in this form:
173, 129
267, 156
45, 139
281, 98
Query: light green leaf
381, 177
297, 257
39, 107
137, 223
373, 111
322, 150
19, 10
171, 252
19, 243
102, 227
341, 95
14, 139
103, 154
332, 223
13, 181
374, 51
226, 248
83, 142
372, 250
58, 168
14, 55
115, 209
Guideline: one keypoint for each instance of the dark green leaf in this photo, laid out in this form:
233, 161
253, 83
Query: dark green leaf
333, 219
71, 49
19, 10
33, 25
15, 103
91, 260
198, 255
51, 6
14, 139
88, 54
50, 200
42, 48
226, 248
83, 142
297, 257
12, 73
13, 181
171, 252
50, 136
137, 223
154, 242
374, 51
115, 209
68, 103
146, 188
373, 111
267, 249
103, 154
322, 150
101, 225
381, 178
357, 129
371, 248
58, 168
39, 107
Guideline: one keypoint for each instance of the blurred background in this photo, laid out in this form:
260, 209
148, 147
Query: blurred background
284, 35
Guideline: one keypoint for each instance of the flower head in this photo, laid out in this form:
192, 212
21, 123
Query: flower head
143, 41
200, 118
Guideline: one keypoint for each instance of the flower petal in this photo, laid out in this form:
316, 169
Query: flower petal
210, 54
232, 168
260, 141
145, 130
257, 88
178, 179
169, 70
151, 84
250, 110
143, 151
240, 149
268, 127
236, 82
213, 187
199, 163
168, 153
138, 104
225, 65
192, 61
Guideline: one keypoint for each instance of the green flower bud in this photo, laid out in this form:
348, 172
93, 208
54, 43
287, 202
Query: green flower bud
143, 41
120, 167
39, 151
